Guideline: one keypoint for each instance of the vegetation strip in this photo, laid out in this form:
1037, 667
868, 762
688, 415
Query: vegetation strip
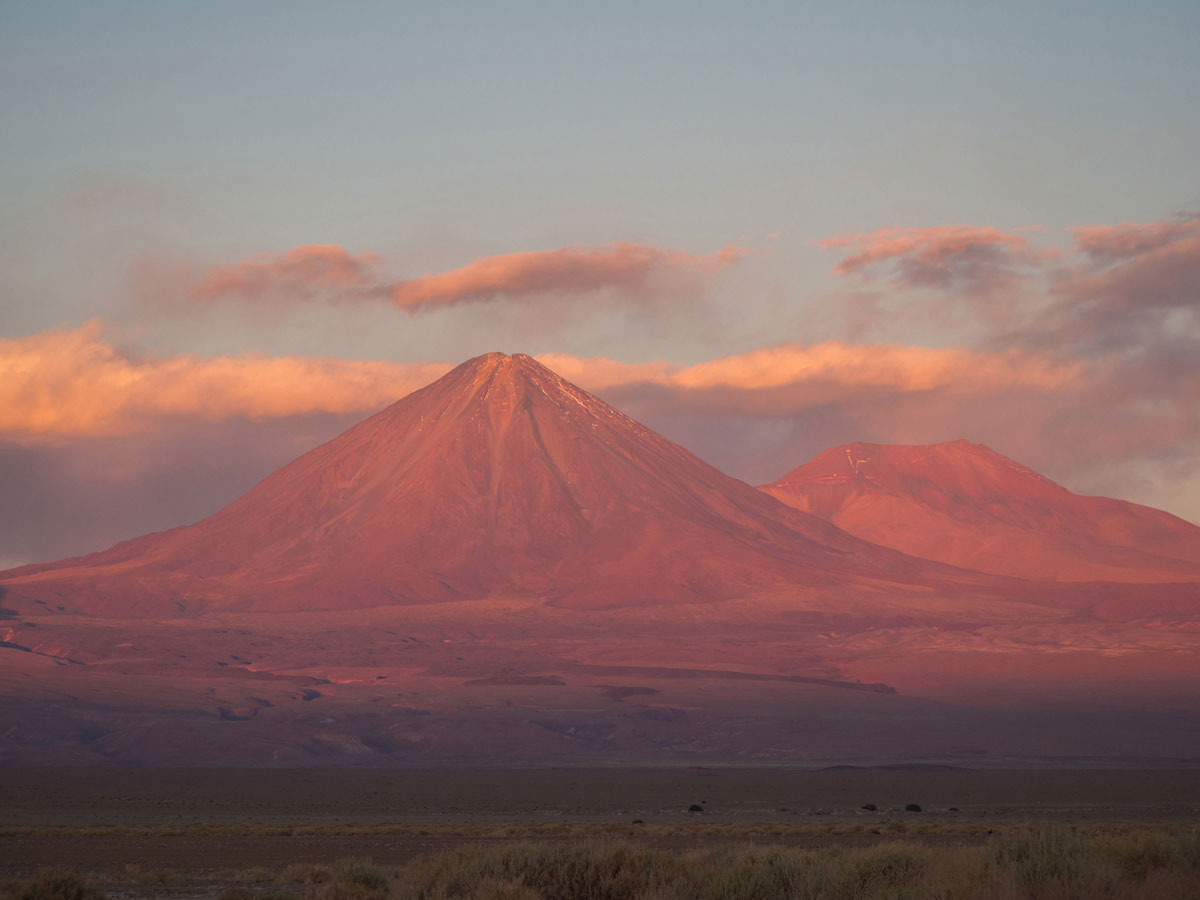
1059, 862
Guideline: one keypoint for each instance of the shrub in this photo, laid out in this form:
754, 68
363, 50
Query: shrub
870, 807
1043, 856
619, 870
589, 870
59, 884
913, 807
363, 873
695, 807
885, 866
1140, 854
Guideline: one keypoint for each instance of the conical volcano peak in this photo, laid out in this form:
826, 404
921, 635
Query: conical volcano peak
499, 479
498, 366
499, 384
495, 360
486, 364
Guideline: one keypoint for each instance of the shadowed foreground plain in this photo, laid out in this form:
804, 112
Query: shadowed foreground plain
600, 833
1015, 862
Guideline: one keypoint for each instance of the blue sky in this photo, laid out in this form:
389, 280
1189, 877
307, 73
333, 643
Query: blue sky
439, 131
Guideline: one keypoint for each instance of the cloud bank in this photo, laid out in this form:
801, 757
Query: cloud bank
75, 383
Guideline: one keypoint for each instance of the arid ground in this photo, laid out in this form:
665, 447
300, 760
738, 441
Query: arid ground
185, 832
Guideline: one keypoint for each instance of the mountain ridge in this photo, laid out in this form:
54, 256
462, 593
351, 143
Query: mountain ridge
499, 477
501, 567
967, 505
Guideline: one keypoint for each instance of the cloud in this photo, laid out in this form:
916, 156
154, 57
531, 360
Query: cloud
331, 273
1108, 243
953, 257
784, 371
571, 270
1132, 290
303, 273
73, 382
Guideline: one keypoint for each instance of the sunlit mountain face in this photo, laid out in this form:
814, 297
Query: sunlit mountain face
501, 567
966, 505
500, 478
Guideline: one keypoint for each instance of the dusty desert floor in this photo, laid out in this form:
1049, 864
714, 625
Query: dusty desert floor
185, 832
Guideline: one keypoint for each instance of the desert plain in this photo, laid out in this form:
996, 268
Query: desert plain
166, 833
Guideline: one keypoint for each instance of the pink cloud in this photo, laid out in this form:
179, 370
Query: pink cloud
302, 273
1115, 242
570, 270
1138, 290
329, 272
947, 256
783, 381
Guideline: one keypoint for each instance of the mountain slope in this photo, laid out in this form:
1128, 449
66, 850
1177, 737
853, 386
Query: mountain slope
966, 505
498, 479
502, 568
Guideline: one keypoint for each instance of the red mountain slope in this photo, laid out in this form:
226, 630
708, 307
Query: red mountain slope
965, 504
499, 479
502, 568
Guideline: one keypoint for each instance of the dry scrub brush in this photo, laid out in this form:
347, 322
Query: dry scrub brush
1059, 863
1042, 864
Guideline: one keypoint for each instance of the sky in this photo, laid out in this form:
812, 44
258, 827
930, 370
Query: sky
232, 230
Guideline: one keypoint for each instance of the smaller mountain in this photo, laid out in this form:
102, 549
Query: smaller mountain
967, 505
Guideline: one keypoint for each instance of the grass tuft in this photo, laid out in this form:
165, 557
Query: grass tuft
55, 883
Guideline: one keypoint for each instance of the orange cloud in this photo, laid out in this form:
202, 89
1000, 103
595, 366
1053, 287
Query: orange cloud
947, 256
73, 382
570, 270
329, 272
302, 273
777, 380
1114, 242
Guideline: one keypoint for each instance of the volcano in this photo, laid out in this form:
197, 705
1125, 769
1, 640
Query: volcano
499, 479
501, 568
969, 506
